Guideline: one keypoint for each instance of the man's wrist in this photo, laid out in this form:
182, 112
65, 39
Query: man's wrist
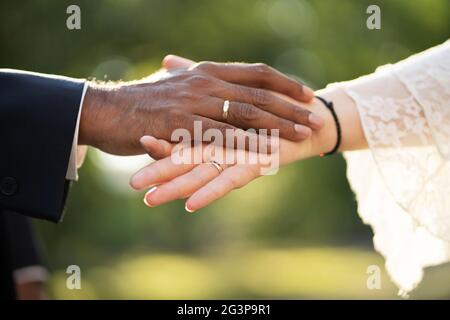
90, 123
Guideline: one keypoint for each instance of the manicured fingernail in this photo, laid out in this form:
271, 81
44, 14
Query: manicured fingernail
308, 92
145, 141
146, 201
143, 138
187, 208
303, 131
315, 120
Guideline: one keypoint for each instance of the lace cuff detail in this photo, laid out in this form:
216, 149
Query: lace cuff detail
403, 183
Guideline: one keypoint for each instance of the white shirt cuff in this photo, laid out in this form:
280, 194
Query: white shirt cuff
30, 274
77, 153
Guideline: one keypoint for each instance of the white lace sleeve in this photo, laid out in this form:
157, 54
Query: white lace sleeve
402, 183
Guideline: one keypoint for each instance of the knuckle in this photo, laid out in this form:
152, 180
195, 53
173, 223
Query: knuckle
229, 184
301, 114
186, 96
179, 192
203, 66
261, 68
261, 97
246, 112
176, 76
202, 178
198, 80
235, 181
254, 171
293, 87
215, 193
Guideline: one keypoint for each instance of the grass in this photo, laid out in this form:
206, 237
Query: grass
291, 273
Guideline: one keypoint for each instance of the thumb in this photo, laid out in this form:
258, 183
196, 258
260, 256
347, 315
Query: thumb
175, 62
156, 148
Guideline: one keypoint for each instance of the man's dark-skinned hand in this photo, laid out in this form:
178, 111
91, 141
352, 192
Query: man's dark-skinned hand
115, 116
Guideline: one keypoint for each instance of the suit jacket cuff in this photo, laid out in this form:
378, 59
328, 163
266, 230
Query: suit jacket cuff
38, 118
78, 153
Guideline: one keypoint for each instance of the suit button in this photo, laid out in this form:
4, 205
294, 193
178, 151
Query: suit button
8, 186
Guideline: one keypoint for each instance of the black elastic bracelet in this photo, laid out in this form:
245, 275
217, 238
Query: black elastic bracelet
329, 105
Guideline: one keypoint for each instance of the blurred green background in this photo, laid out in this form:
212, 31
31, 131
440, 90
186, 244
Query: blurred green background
293, 235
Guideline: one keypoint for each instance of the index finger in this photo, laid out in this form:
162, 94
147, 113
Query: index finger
156, 148
258, 75
158, 172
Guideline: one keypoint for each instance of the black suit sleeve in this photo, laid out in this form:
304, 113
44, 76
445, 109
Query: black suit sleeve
38, 116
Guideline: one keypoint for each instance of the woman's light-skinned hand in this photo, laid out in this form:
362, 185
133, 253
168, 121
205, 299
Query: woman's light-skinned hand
202, 184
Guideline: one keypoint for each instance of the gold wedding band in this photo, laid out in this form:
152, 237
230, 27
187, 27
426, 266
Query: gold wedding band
217, 166
225, 107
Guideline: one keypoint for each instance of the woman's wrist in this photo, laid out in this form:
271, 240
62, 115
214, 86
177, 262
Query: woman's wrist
352, 135
323, 140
